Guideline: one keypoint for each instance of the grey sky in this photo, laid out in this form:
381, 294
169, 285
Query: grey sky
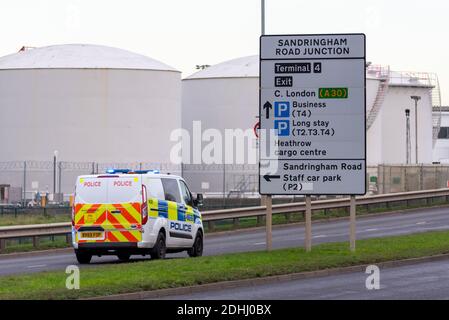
405, 34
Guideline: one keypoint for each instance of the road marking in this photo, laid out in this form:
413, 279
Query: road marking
445, 227
371, 230
319, 236
421, 223
259, 243
37, 266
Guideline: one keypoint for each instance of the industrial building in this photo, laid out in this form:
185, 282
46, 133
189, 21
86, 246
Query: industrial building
441, 149
83, 104
74, 109
389, 100
225, 96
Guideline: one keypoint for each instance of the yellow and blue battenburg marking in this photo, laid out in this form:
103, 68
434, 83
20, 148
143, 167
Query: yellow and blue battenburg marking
172, 211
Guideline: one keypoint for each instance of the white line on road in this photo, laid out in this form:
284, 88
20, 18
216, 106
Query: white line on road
421, 223
371, 230
319, 236
37, 266
259, 243
445, 227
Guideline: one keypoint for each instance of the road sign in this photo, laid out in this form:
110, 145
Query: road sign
312, 114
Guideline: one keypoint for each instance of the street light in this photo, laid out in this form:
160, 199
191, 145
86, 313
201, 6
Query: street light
416, 98
407, 135
55, 155
262, 17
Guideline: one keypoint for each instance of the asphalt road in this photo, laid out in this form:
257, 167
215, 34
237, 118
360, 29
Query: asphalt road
419, 281
283, 237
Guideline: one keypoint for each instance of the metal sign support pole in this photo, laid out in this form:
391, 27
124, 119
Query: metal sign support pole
308, 235
269, 203
262, 17
352, 223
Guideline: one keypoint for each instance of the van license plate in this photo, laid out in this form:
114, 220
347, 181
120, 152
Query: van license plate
92, 235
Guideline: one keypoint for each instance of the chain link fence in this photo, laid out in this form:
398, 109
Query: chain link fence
402, 178
22, 182
223, 180
25, 181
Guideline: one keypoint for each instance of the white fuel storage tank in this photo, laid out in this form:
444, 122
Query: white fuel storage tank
88, 102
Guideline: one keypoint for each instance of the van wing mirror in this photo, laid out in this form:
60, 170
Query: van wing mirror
198, 202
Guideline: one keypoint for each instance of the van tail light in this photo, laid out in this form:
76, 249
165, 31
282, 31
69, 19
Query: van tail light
73, 208
144, 207
73, 215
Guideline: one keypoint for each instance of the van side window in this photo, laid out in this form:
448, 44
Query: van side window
154, 188
171, 190
186, 195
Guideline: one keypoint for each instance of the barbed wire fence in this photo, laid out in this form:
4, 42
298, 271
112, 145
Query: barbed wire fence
26, 179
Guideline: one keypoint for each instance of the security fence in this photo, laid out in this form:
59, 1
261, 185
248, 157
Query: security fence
228, 181
24, 182
403, 178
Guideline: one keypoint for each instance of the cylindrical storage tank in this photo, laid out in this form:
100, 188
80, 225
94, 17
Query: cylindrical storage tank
98, 107
223, 99
90, 103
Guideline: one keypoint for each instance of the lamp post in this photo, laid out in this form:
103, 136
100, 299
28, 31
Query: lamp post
262, 17
55, 155
416, 98
266, 200
407, 135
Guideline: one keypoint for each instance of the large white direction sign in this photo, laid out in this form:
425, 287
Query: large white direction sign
312, 115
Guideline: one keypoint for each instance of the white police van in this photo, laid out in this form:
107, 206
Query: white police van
126, 213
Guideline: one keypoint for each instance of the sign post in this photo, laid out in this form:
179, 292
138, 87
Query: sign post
308, 225
312, 116
269, 222
352, 223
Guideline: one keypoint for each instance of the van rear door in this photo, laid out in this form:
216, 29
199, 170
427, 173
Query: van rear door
108, 208
90, 198
125, 201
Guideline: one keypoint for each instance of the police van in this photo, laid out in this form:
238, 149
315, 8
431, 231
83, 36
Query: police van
126, 213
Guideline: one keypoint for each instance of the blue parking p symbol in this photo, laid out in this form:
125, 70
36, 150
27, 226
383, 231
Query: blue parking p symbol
282, 109
282, 127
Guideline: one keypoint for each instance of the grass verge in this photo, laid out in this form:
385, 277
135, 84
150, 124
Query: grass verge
152, 275
224, 225
26, 245
25, 219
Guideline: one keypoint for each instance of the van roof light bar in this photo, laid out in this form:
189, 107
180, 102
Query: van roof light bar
118, 171
128, 171
147, 171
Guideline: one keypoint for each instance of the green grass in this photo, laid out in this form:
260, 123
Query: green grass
33, 218
151, 275
26, 245
25, 218
224, 225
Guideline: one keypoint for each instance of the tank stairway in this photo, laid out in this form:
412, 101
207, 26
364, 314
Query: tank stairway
435, 97
383, 74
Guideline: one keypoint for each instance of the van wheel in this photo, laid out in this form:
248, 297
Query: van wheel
83, 257
197, 249
123, 257
159, 249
